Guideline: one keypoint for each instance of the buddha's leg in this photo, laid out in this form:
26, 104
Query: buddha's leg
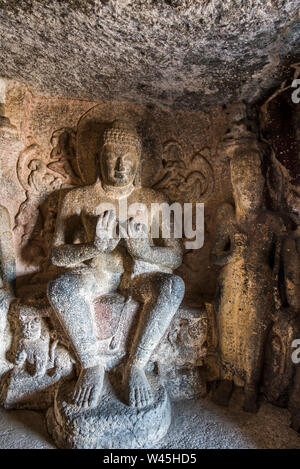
161, 294
224, 388
71, 297
254, 356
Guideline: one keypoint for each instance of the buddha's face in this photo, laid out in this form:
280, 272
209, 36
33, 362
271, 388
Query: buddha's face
119, 164
248, 182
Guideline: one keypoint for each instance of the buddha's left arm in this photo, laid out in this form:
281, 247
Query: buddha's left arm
169, 255
167, 250
163, 251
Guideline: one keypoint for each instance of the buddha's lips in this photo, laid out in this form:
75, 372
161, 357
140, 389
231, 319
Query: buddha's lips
120, 173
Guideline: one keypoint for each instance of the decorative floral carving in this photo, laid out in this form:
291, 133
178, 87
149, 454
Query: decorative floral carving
41, 177
38, 181
33, 173
192, 180
63, 155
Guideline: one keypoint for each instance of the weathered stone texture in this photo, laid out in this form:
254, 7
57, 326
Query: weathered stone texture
172, 140
182, 53
148, 102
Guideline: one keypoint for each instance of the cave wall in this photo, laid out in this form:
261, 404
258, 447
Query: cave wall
181, 157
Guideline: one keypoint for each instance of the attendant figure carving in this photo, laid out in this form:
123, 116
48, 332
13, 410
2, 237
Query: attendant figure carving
282, 376
246, 246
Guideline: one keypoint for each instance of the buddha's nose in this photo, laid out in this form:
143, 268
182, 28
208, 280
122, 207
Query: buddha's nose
120, 164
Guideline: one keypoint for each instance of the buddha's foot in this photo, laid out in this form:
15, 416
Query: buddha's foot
88, 387
250, 402
138, 388
223, 393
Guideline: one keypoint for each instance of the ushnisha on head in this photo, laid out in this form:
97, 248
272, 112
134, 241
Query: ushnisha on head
120, 154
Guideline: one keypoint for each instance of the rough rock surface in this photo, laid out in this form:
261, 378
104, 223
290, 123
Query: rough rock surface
180, 53
195, 424
111, 424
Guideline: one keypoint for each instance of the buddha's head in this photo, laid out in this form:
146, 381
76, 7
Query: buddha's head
247, 179
120, 155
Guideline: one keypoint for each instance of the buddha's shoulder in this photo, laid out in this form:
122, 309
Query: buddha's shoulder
148, 195
79, 195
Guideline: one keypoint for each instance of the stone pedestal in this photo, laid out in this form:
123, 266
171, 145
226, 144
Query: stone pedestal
184, 383
110, 425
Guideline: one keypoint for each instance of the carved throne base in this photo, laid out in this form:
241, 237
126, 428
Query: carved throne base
178, 358
110, 425
20, 390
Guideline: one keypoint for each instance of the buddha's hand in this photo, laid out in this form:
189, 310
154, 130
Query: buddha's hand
138, 240
106, 238
240, 243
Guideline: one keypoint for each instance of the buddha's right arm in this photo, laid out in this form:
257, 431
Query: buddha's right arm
221, 258
222, 250
70, 255
64, 254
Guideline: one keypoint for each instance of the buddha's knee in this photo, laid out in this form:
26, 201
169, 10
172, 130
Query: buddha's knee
172, 288
63, 289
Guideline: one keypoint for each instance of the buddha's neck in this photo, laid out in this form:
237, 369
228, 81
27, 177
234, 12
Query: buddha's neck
118, 192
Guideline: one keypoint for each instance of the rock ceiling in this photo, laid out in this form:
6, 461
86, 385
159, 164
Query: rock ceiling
185, 54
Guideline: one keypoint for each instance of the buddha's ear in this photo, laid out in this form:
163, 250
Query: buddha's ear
97, 164
137, 180
138, 177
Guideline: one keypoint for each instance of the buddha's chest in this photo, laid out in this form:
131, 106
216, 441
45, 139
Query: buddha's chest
124, 209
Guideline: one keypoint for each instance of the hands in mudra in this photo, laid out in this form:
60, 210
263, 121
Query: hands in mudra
138, 241
106, 238
109, 231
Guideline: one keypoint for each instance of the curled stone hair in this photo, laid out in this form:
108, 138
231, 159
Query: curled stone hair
122, 132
